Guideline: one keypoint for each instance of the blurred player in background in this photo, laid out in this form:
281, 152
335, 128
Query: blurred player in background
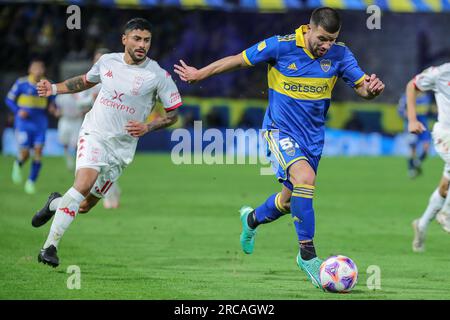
130, 84
436, 79
419, 144
303, 68
30, 122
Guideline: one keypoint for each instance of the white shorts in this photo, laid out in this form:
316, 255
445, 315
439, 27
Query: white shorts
94, 153
441, 140
68, 131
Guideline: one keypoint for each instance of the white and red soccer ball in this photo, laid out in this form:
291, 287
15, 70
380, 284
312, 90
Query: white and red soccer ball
338, 274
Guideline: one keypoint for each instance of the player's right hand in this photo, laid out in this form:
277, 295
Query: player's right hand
416, 127
186, 73
44, 88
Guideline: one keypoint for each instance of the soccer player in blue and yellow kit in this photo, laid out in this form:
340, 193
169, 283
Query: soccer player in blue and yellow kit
302, 70
30, 122
419, 144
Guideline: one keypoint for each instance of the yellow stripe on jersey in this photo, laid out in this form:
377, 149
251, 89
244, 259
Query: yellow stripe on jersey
193, 3
360, 80
271, 5
401, 5
244, 55
32, 101
435, 5
300, 87
335, 4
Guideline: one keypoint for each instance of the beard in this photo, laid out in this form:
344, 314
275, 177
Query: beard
135, 58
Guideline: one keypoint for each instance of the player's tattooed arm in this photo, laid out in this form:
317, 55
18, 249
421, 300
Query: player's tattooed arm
169, 119
75, 84
138, 129
72, 85
370, 88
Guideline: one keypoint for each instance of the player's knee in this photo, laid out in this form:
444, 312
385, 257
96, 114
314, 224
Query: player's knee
443, 189
303, 178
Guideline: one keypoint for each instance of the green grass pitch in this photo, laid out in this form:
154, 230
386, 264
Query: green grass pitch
176, 234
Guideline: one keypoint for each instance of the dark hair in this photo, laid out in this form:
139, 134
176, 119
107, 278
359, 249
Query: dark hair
327, 18
137, 24
36, 59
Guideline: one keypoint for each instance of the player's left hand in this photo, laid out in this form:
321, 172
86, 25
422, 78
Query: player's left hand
136, 128
374, 85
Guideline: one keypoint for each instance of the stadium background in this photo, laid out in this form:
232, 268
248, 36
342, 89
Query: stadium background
163, 244
414, 35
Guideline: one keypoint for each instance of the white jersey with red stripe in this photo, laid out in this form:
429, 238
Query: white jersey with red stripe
128, 92
437, 79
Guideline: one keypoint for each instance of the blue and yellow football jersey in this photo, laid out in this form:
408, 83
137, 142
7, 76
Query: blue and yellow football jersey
24, 96
300, 85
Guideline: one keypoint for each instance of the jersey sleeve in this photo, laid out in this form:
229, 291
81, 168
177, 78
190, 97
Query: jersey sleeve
168, 92
350, 71
93, 75
427, 79
264, 51
12, 96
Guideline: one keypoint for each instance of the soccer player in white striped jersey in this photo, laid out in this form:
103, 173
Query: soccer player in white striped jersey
435, 79
131, 84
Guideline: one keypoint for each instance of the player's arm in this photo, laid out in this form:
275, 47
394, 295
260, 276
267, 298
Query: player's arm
11, 97
11, 101
370, 87
72, 85
137, 129
414, 125
264, 51
191, 74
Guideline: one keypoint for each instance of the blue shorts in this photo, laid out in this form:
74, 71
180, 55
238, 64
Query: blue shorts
28, 139
283, 151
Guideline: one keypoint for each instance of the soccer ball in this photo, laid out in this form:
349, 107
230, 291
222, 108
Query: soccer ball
338, 274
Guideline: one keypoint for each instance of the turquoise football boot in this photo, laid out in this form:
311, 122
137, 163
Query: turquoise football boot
248, 234
16, 174
311, 268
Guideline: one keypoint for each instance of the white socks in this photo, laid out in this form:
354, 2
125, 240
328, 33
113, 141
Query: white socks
67, 209
434, 206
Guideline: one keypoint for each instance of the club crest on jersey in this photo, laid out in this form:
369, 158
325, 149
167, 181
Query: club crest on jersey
137, 84
325, 64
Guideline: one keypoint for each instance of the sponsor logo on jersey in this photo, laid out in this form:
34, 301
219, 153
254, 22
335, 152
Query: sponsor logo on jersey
117, 95
297, 87
292, 66
325, 64
109, 74
117, 105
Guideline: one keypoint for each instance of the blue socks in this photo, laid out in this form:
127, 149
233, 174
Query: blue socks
35, 168
302, 211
